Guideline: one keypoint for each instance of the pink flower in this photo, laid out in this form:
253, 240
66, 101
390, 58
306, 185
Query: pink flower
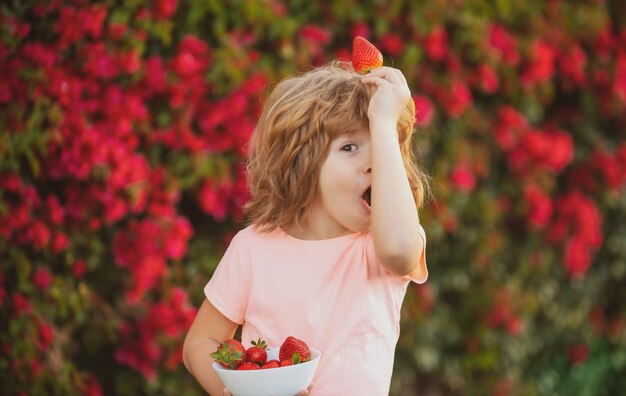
20, 304
392, 44
315, 38
463, 178
39, 234
176, 238
456, 99
423, 110
45, 335
510, 127
42, 278
192, 58
164, 9
214, 198
436, 44
59, 242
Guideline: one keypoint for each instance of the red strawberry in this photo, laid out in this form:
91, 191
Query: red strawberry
293, 346
257, 353
229, 354
249, 366
271, 364
365, 56
295, 359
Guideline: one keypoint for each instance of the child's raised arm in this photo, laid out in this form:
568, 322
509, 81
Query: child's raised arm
208, 328
395, 221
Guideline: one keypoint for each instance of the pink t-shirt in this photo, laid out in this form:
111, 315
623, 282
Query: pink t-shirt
333, 294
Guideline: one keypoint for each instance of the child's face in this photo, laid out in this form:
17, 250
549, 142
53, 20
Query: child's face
344, 178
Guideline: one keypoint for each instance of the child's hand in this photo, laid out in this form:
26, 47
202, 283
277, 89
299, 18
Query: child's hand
391, 94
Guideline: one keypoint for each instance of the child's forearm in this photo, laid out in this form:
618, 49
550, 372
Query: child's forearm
199, 363
395, 221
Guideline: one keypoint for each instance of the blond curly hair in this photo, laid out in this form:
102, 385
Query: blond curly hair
290, 143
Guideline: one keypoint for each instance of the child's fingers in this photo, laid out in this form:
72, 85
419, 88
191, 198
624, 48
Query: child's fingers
374, 80
394, 76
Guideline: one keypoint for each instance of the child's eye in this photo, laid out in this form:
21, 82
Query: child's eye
349, 147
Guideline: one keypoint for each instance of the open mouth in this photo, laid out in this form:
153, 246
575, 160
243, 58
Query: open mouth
367, 196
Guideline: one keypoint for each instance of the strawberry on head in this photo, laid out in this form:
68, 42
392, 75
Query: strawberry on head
365, 56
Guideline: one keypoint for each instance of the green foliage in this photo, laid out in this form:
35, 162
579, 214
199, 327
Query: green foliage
122, 127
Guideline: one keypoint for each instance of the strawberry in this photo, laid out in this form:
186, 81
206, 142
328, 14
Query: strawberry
249, 366
257, 353
271, 364
229, 353
292, 346
365, 56
295, 359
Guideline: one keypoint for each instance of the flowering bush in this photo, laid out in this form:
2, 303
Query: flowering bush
122, 140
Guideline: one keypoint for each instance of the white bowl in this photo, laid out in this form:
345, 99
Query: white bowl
280, 381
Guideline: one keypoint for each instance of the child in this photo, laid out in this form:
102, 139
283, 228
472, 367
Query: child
334, 237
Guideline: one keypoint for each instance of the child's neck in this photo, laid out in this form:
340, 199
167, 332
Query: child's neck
313, 232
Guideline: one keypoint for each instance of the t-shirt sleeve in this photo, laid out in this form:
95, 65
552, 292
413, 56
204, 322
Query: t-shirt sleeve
419, 275
228, 288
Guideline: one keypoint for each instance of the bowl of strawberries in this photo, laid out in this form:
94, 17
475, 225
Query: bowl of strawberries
260, 370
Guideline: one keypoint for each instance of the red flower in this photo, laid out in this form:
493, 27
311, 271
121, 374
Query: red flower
423, 110
510, 127
578, 353
487, 79
38, 234
619, 83
541, 65
456, 99
392, 43
59, 242
436, 44
561, 149
214, 198
192, 58
164, 9
360, 29
463, 178
540, 207
42, 278
315, 38
45, 335
79, 268
572, 64
91, 387
20, 304
504, 43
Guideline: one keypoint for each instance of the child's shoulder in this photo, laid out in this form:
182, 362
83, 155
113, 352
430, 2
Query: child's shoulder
253, 233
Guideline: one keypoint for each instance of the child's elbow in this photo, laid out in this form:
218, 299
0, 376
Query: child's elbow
403, 258
186, 354
403, 262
